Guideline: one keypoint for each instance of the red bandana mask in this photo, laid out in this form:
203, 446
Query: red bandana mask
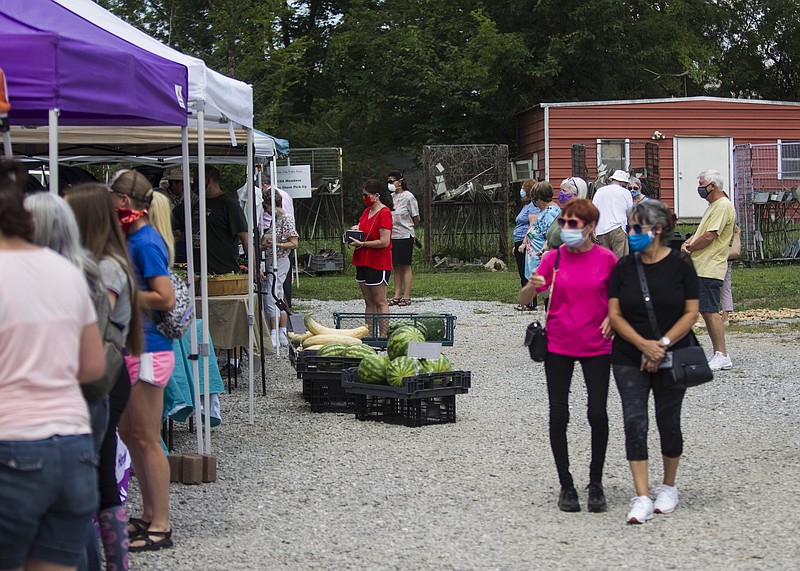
127, 217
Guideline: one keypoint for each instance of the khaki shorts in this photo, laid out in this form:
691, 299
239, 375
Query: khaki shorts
616, 241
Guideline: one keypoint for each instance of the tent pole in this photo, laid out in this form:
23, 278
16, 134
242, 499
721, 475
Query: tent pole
189, 242
251, 262
273, 178
53, 142
260, 284
205, 345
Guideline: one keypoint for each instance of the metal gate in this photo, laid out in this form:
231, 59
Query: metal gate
766, 187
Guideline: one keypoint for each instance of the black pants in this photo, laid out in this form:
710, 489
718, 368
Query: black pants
634, 390
520, 258
287, 283
118, 398
558, 369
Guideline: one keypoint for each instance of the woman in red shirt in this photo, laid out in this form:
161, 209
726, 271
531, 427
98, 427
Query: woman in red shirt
373, 254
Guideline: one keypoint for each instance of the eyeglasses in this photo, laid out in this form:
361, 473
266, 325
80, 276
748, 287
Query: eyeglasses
570, 223
639, 228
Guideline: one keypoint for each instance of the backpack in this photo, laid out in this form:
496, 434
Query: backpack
112, 344
173, 324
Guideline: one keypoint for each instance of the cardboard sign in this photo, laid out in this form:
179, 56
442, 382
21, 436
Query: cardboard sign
424, 350
296, 324
295, 180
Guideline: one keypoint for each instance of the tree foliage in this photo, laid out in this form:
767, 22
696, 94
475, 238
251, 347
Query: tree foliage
375, 76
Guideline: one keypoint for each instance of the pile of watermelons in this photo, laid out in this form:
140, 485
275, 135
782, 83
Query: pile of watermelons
396, 364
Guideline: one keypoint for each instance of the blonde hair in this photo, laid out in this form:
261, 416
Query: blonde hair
160, 215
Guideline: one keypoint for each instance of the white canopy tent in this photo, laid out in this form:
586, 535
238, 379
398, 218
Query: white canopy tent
215, 101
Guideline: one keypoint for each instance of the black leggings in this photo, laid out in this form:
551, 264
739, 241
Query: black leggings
520, 258
634, 390
558, 369
107, 480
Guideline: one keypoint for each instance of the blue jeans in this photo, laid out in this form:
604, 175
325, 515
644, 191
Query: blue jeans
48, 494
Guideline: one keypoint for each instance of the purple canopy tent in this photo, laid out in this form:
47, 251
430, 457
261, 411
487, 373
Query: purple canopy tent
63, 68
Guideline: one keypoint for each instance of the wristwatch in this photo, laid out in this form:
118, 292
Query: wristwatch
665, 341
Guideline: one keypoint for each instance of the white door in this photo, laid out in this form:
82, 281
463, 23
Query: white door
694, 155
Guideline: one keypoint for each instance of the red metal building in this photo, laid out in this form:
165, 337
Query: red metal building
692, 134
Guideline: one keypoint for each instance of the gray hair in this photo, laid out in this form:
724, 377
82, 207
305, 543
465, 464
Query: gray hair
714, 176
55, 228
576, 185
652, 213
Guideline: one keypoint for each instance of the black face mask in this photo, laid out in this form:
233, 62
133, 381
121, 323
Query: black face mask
703, 191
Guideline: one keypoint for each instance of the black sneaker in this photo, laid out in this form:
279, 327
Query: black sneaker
597, 498
568, 499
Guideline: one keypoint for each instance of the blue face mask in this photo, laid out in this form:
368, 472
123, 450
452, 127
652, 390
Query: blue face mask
564, 196
522, 194
640, 242
573, 237
702, 191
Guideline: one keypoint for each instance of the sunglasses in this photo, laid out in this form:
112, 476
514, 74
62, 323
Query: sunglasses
572, 224
639, 228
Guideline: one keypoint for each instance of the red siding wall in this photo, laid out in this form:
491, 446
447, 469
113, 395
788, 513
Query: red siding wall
746, 122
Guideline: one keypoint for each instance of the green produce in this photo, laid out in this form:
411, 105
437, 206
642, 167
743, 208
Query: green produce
332, 350
425, 366
394, 324
435, 325
373, 369
358, 351
399, 368
442, 364
397, 345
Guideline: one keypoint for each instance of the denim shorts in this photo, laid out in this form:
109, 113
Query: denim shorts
709, 295
48, 494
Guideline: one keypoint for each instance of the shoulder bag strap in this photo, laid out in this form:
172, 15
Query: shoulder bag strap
646, 294
552, 283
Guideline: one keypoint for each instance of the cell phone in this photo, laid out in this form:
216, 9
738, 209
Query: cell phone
357, 234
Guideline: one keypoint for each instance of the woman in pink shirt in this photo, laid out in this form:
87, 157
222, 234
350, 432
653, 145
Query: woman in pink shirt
577, 330
49, 343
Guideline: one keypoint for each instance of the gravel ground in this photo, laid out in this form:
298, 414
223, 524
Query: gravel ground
302, 490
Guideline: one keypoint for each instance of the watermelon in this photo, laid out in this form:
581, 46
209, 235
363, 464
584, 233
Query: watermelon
425, 366
397, 345
373, 369
332, 350
442, 364
395, 323
358, 351
435, 325
399, 368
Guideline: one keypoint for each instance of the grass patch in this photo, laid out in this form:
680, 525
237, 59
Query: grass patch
763, 287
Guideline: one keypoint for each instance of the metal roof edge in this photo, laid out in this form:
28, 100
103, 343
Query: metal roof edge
667, 100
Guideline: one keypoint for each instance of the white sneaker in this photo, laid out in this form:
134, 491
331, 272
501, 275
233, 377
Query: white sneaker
641, 510
666, 499
720, 362
284, 339
273, 336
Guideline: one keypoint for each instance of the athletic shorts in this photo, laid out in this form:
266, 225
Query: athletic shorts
402, 250
152, 368
709, 295
370, 277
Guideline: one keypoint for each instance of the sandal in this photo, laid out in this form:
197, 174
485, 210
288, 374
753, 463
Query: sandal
404, 302
393, 301
151, 544
137, 527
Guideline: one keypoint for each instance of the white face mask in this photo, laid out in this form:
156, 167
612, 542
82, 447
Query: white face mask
391, 186
522, 194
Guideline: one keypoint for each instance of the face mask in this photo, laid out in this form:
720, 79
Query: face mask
127, 217
573, 237
367, 200
640, 242
391, 186
564, 197
702, 191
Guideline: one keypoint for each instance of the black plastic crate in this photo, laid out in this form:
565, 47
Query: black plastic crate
409, 412
372, 320
419, 386
309, 361
325, 393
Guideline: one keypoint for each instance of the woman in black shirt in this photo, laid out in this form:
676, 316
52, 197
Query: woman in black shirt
636, 352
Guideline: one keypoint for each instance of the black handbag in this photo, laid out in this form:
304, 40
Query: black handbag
681, 368
536, 333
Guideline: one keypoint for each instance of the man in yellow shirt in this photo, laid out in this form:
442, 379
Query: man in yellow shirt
708, 247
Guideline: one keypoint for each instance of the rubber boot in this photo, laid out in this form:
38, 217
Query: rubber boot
114, 532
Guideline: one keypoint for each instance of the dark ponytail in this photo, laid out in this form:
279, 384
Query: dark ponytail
375, 186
